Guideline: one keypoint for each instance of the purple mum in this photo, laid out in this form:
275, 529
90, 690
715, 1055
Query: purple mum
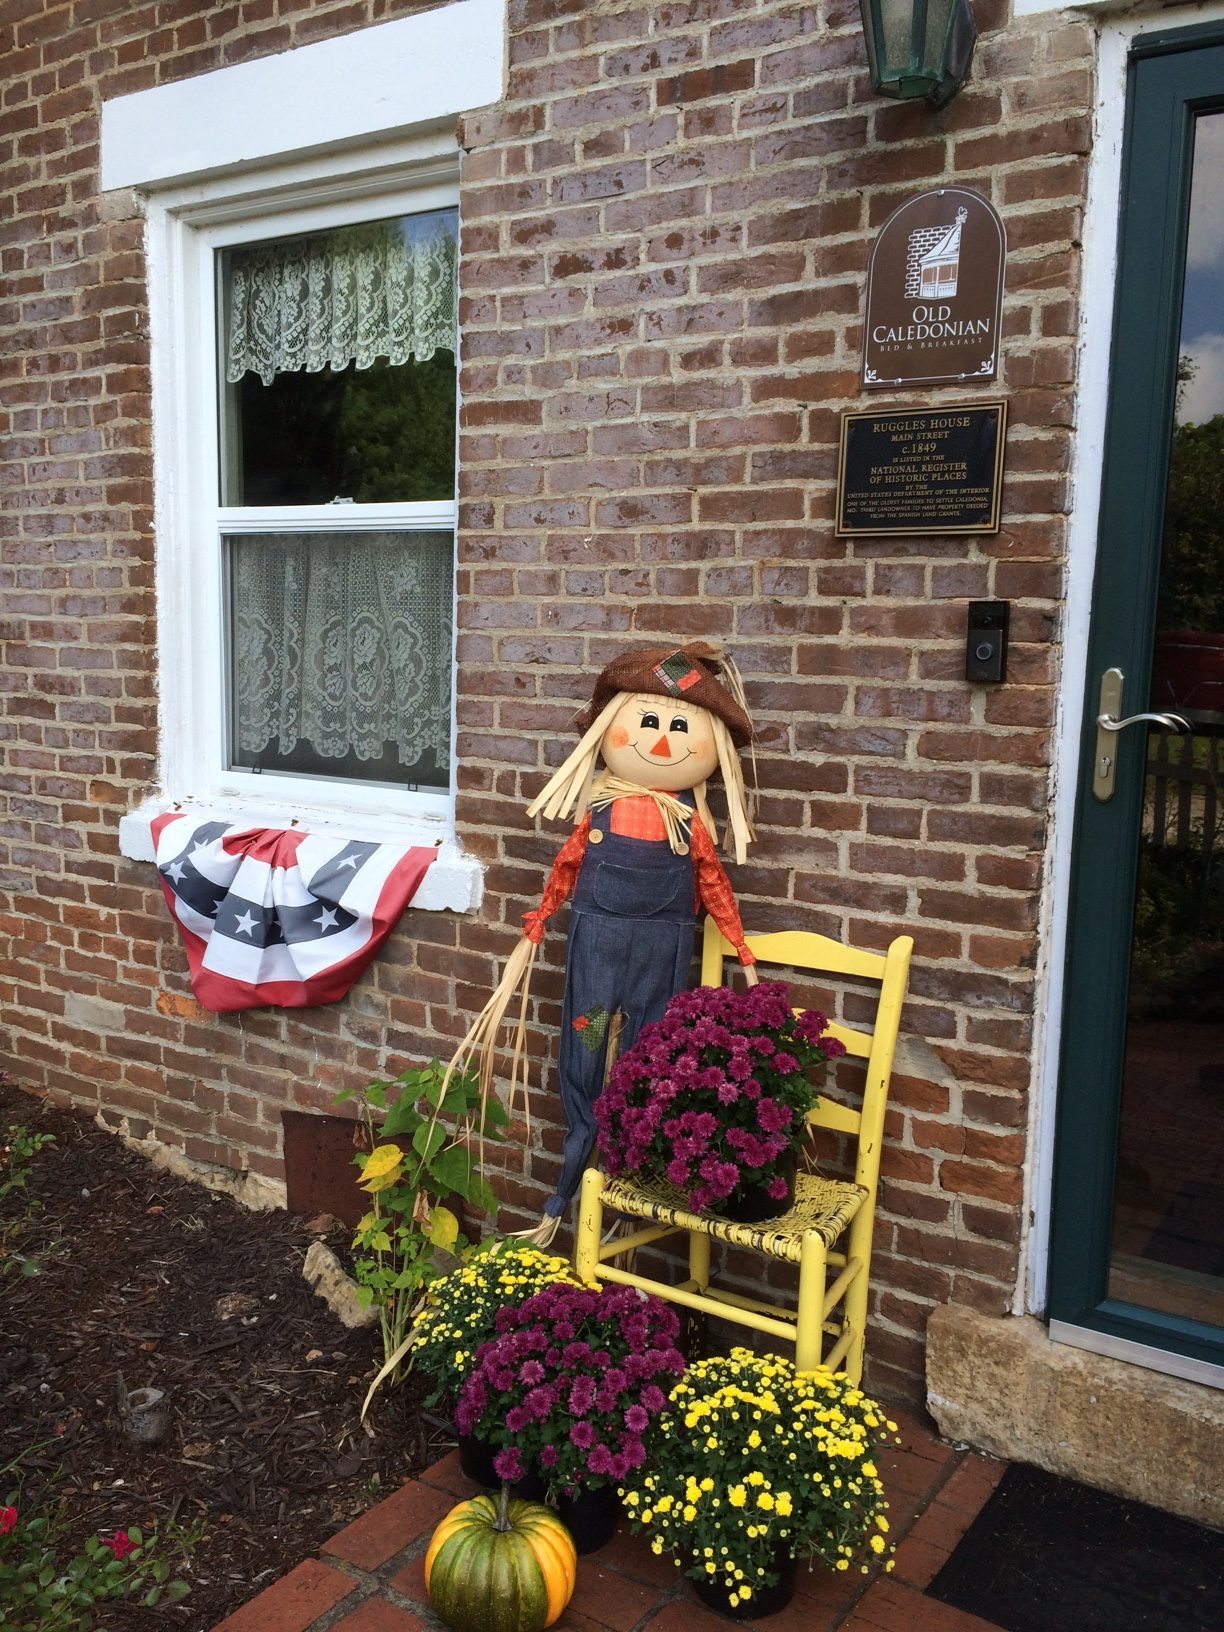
715, 1093
579, 1412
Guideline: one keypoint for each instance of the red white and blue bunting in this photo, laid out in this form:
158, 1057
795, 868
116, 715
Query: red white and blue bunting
275, 918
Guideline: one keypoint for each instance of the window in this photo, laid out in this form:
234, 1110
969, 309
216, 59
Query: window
336, 477
305, 414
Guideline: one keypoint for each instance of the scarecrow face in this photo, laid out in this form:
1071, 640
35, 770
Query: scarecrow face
660, 742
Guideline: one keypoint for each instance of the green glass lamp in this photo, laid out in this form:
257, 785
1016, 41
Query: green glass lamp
918, 47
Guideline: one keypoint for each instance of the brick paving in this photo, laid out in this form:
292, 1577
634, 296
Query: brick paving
370, 1577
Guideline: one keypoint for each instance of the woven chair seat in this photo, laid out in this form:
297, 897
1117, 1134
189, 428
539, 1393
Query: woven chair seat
825, 1205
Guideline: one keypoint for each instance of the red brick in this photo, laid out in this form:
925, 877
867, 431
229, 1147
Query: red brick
292, 1603
390, 1526
722, 79
377, 1615
409, 1581
685, 1615
893, 1606
971, 1484
919, 1562
631, 1555
609, 1599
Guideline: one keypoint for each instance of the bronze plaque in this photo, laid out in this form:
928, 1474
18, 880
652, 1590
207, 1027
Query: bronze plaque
934, 293
926, 470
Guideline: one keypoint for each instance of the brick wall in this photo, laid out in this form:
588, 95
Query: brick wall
665, 234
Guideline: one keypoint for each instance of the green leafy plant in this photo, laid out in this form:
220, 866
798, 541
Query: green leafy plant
17, 1155
426, 1129
41, 1591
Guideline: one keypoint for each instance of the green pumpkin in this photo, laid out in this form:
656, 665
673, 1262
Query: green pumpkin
500, 1566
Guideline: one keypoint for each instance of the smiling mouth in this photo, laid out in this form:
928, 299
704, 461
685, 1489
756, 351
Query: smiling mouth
653, 761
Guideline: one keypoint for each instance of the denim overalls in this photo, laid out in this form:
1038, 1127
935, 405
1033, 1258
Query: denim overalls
630, 948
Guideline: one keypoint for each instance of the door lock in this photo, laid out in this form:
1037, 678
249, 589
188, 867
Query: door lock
1107, 723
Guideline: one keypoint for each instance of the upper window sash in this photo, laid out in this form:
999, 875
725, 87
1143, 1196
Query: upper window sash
185, 236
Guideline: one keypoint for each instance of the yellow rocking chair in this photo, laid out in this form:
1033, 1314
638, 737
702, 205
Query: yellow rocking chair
829, 1225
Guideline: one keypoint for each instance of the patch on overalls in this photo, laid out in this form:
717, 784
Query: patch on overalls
592, 1027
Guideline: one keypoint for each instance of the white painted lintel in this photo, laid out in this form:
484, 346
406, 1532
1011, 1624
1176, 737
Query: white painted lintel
376, 83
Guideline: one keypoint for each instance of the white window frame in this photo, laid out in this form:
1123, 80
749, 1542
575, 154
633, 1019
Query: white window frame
186, 228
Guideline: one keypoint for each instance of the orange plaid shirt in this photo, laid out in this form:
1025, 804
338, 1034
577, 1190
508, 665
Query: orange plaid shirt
638, 818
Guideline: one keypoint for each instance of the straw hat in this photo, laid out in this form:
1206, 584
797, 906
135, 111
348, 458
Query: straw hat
689, 673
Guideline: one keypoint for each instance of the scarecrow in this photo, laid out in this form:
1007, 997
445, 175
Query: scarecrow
639, 863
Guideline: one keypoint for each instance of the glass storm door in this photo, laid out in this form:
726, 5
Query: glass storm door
1137, 1260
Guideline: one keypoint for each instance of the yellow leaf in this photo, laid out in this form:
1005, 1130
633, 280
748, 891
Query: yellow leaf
382, 1168
443, 1228
382, 1183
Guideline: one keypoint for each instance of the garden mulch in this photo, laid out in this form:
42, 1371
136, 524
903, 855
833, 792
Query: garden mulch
156, 1281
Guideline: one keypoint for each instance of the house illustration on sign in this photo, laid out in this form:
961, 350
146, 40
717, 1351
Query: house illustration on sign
932, 267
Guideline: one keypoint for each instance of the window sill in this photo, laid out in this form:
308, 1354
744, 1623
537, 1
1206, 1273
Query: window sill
454, 883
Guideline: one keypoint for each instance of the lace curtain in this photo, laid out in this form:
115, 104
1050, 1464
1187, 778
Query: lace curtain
342, 641
383, 289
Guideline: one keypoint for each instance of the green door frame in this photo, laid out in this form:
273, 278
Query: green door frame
1172, 76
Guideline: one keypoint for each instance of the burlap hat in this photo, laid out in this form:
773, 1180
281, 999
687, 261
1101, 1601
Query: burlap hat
686, 672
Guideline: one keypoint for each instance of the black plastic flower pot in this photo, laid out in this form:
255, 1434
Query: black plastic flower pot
752, 1203
764, 1601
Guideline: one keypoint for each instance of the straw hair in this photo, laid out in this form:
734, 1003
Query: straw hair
735, 685
570, 784
740, 832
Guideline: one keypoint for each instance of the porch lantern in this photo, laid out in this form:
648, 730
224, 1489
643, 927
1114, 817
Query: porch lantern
918, 47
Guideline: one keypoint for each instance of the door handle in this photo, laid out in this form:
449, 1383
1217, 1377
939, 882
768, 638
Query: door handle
1171, 722
1104, 763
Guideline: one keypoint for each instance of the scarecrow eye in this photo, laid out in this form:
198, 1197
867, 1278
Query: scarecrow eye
679, 723
650, 721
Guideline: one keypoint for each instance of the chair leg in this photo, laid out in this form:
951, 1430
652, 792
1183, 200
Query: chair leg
699, 1260
854, 1307
809, 1331
590, 1225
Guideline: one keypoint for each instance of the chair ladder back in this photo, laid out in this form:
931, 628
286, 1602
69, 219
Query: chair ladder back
800, 948
880, 1061
832, 1113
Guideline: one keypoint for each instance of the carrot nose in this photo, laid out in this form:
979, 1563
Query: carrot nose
662, 748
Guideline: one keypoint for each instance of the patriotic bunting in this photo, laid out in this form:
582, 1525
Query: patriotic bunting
274, 918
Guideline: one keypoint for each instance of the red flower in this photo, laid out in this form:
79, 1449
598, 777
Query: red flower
582, 1022
8, 1518
121, 1544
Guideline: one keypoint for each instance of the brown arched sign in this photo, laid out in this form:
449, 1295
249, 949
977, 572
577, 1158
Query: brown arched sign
934, 293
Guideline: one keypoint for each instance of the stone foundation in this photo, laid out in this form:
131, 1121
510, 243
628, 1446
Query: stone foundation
1004, 1387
